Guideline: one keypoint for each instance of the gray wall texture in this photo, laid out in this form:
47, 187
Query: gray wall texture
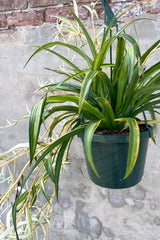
84, 211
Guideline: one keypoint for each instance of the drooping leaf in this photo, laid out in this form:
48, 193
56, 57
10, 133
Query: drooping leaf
44, 191
34, 126
88, 135
14, 211
70, 63
23, 197
134, 140
61, 117
49, 168
47, 47
58, 165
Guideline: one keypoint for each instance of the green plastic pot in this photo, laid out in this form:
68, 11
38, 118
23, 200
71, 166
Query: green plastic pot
110, 154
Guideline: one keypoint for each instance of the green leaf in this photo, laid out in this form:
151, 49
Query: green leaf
86, 87
72, 47
101, 85
128, 24
23, 197
44, 191
60, 140
75, 68
149, 77
107, 112
150, 99
58, 165
120, 50
134, 44
67, 87
88, 135
147, 107
14, 210
128, 78
57, 86
129, 93
100, 57
49, 168
34, 194
34, 126
87, 107
144, 96
134, 140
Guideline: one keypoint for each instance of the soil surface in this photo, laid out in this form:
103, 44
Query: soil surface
117, 132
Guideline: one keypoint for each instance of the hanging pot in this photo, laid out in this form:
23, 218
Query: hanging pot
110, 154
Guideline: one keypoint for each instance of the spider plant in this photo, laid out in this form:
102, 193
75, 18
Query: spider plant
104, 102
90, 98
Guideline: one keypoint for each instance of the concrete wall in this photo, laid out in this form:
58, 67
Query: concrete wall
84, 211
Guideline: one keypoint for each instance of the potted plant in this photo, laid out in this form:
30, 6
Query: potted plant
101, 104
98, 106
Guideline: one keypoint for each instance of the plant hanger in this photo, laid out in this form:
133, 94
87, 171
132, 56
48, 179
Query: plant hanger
108, 14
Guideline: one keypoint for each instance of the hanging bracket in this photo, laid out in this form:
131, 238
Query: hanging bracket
108, 14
